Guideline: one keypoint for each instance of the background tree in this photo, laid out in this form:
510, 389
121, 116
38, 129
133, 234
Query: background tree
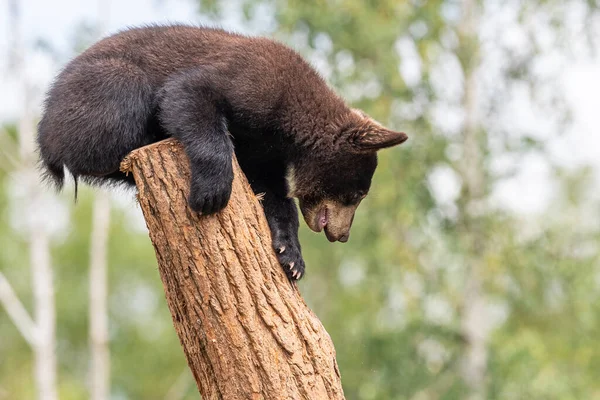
39, 330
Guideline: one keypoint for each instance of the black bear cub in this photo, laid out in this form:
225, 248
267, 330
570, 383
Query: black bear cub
217, 93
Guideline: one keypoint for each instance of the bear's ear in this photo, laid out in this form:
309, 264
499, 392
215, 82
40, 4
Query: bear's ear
377, 137
370, 135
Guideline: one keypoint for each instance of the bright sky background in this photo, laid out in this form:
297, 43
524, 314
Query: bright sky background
55, 21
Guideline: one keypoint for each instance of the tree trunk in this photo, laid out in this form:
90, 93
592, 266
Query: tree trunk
244, 328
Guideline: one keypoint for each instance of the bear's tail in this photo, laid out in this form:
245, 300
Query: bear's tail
53, 173
50, 164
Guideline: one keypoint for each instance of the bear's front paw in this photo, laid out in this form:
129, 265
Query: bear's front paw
208, 196
290, 257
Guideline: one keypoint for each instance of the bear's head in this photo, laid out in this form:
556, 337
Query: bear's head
333, 178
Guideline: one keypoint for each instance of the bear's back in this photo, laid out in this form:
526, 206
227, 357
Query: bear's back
163, 50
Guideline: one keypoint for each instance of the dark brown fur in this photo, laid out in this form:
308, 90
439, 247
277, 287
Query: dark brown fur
198, 85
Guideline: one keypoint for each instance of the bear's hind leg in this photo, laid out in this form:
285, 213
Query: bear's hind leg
96, 113
267, 180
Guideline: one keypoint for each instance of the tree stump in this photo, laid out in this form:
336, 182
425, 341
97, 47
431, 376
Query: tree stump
245, 329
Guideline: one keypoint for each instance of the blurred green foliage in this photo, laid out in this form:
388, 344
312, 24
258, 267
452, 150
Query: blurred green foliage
392, 298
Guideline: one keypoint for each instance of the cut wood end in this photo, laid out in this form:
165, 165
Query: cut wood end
127, 163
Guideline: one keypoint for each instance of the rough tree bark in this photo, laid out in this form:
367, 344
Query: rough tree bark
245, 330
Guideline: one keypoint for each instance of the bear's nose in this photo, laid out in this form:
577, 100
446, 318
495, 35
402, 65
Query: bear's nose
344, 237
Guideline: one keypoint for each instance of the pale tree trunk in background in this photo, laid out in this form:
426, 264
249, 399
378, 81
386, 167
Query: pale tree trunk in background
100, 355
39, 249
98, 285
41, 268
45, 311
17, 312
474, 324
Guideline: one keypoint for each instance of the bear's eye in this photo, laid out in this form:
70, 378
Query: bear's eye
361, 195
356, 197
